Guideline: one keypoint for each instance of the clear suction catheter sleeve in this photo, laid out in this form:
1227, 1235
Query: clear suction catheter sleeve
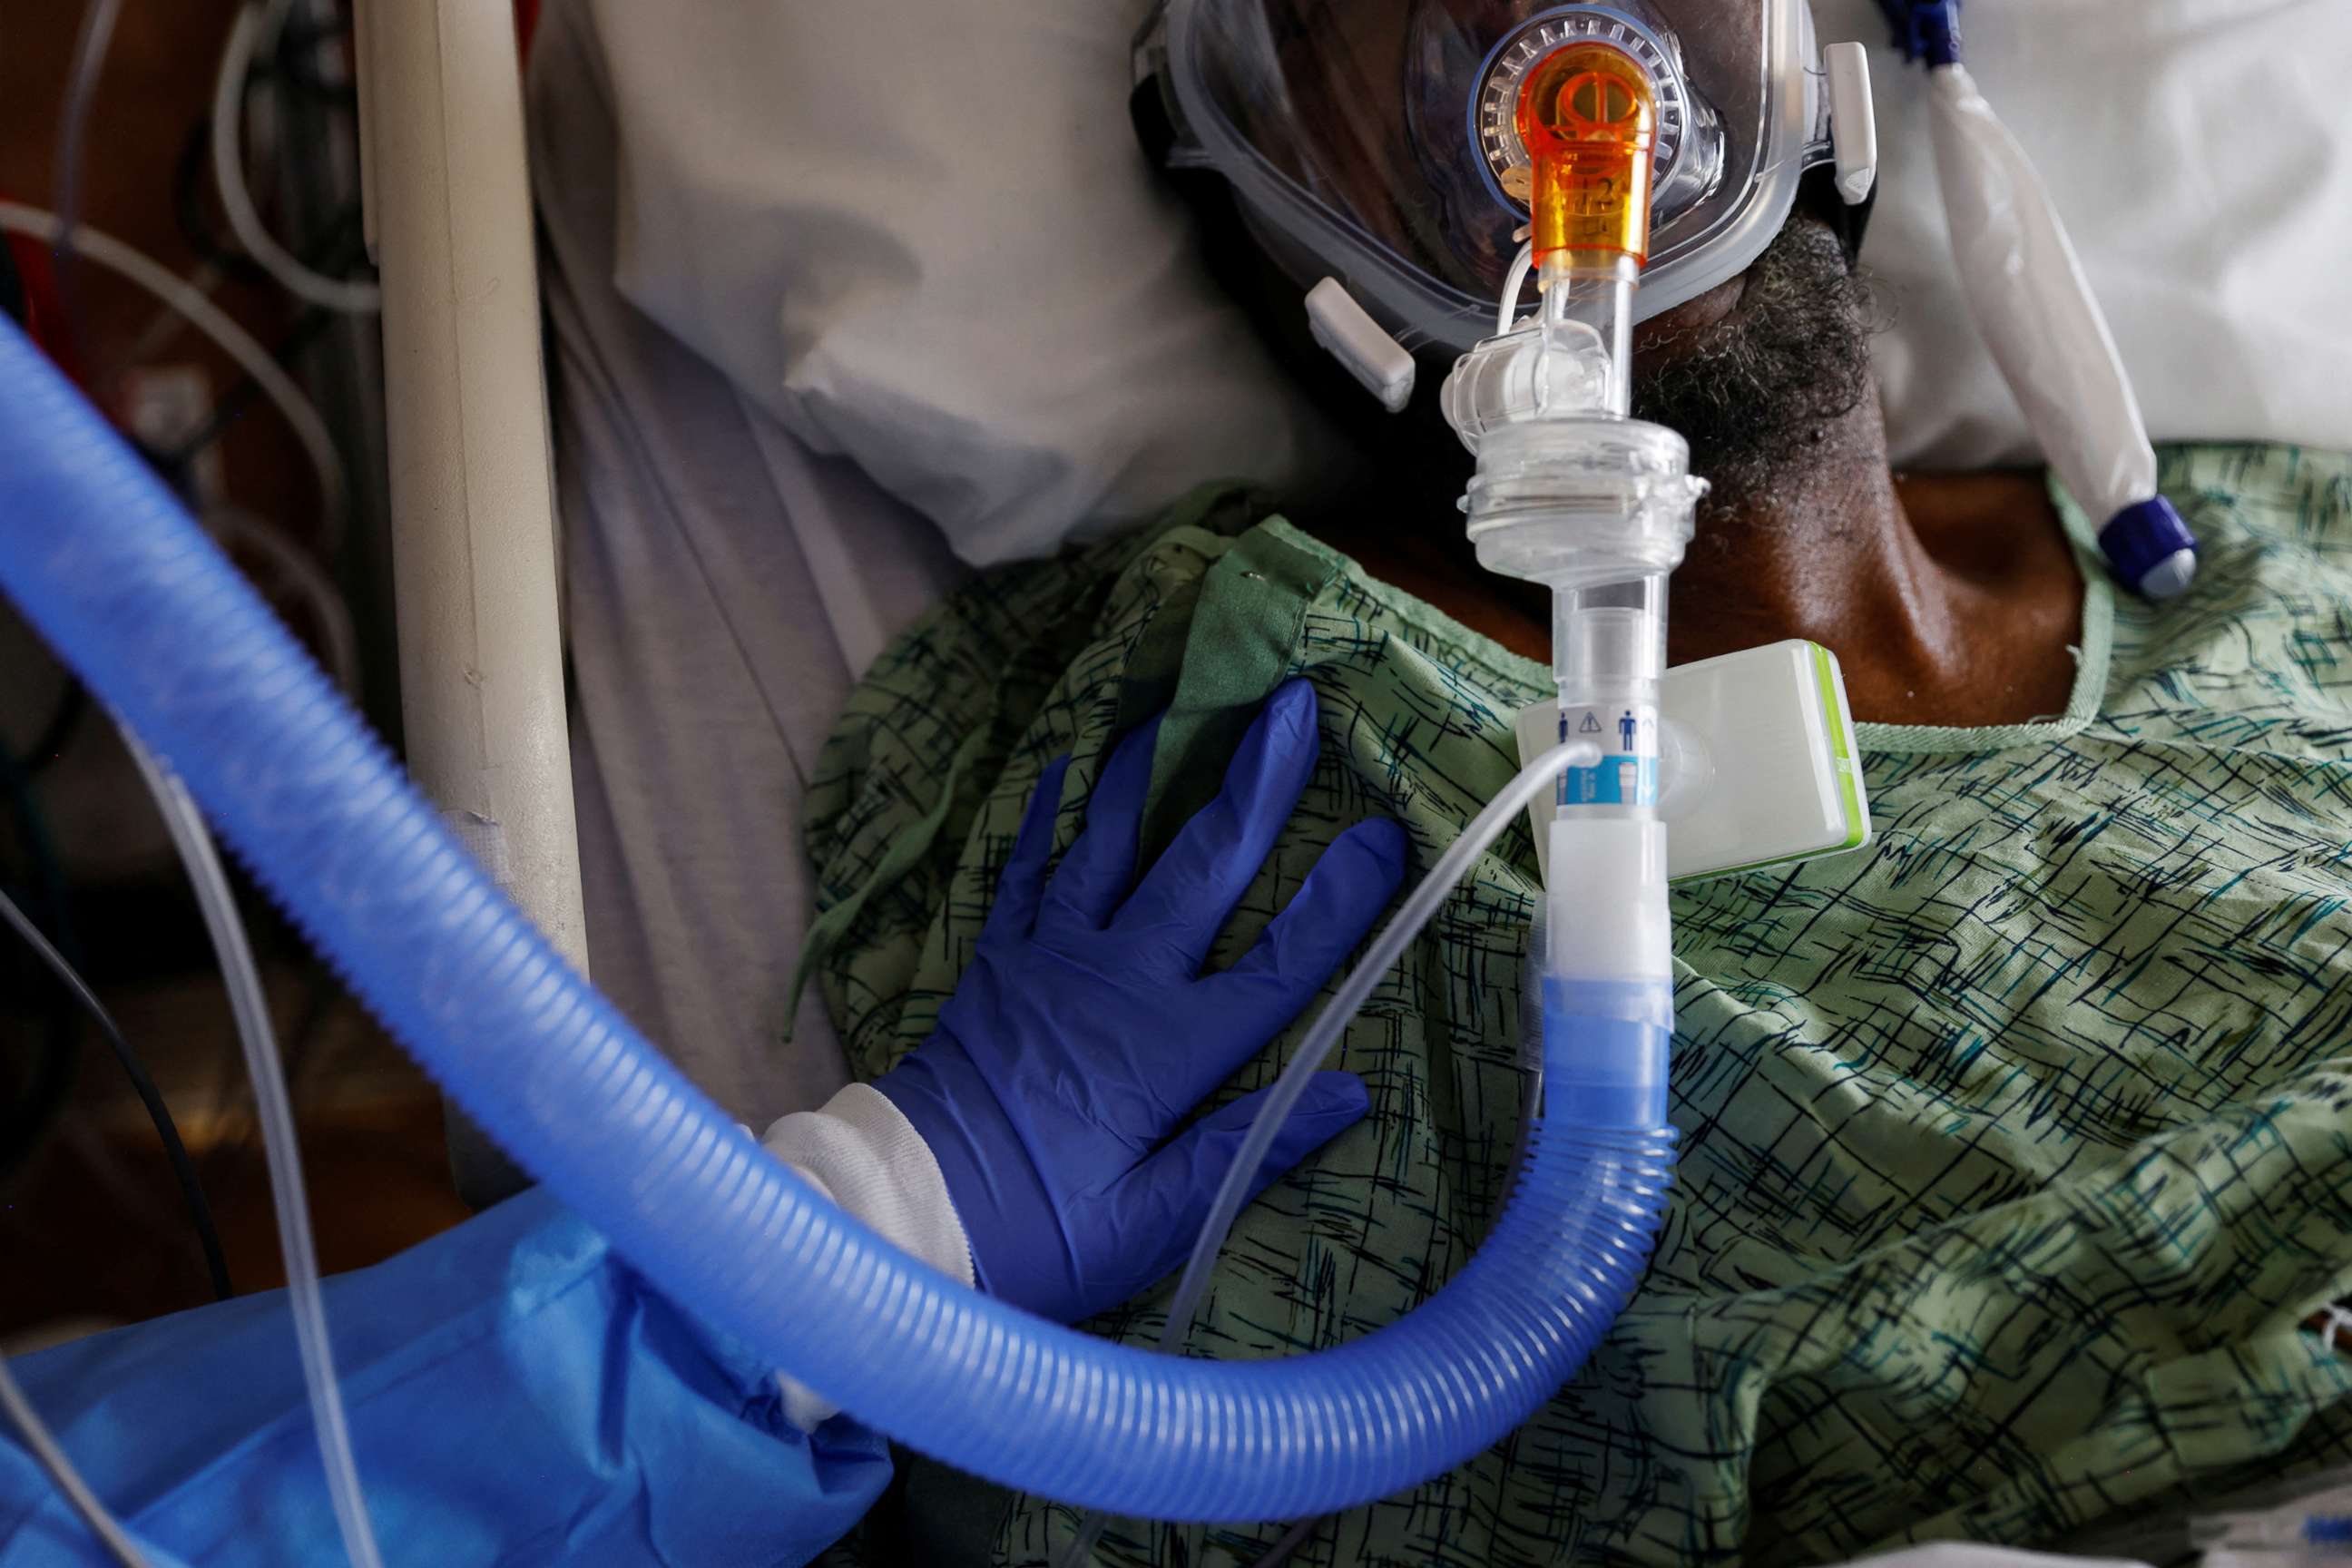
2031, 302
98, 555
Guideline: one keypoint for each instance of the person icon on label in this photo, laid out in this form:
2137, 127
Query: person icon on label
1625, 730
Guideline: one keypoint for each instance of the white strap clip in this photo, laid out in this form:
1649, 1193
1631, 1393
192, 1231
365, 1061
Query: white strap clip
1347, 332
1854, 122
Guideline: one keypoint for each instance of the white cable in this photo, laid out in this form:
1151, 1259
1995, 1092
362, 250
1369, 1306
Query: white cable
201, 313
61, 1471
1385, 950
1193, 1287
358, 298
234, 527
1507, 310
251, 1008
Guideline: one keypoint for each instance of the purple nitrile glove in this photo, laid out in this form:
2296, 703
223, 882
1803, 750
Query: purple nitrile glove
1083, 1032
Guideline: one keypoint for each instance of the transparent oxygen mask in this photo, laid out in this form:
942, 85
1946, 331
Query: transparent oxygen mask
1570, 492
1375, 141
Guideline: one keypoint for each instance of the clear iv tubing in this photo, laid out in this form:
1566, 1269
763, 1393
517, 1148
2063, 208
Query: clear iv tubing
97, 31
1514, 283
102, 561
1193, 1287
250, 1007
36, 1434
1184, 1308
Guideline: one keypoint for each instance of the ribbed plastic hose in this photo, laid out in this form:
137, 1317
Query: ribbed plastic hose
101, 558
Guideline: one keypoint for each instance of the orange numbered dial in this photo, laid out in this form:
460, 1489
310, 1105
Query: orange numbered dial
1588, 116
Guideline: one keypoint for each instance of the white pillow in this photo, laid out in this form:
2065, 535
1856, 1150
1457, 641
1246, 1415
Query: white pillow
920, 233
2201, 154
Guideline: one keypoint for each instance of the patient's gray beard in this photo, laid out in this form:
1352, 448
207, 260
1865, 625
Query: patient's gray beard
1753, 392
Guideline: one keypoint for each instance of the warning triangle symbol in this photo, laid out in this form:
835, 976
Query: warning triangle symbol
1592, 725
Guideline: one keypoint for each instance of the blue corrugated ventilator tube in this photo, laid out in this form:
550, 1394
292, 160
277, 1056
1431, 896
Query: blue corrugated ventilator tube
102, 559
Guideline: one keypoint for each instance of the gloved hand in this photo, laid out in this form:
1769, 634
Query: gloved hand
1083, 1030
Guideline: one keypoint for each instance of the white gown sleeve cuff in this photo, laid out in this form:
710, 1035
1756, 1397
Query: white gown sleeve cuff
866, 1156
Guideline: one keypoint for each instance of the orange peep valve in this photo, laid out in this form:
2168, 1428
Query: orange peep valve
1588, 116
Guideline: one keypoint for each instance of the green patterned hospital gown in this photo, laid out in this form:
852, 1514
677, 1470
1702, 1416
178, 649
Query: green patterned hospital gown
2015, 1148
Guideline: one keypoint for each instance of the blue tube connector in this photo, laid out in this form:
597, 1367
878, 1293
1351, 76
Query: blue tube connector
101, 558
1927, 31
1607, 1045
2150, 548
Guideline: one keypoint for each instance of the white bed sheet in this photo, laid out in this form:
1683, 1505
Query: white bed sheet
724, 588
